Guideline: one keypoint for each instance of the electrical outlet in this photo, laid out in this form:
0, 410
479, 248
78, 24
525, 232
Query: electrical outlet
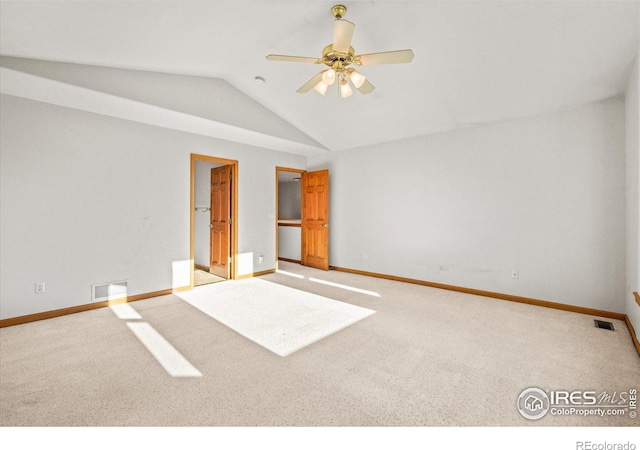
515, 274
39, 288
365, 256
261, 258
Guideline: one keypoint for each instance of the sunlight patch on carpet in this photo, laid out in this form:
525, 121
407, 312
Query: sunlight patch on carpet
279, 318
125, 311
344, 286
168, 357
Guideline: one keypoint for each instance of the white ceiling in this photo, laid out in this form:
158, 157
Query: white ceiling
475, 62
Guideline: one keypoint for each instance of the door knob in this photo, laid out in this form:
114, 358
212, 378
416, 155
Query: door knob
326, 225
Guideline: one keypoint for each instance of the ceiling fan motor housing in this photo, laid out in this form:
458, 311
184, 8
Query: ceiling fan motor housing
337, 60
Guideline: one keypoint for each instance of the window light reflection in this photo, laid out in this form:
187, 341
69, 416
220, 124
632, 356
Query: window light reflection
290, 274
124, 311
168, 357
344, 286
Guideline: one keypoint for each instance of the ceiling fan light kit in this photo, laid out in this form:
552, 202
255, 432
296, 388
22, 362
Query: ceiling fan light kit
345, 89
339, 55
321, 88
329, 77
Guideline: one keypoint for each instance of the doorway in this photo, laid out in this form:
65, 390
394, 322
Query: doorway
302, 217
288, 214
214, 219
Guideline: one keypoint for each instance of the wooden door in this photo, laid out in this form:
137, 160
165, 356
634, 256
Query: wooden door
315, 219
220, 218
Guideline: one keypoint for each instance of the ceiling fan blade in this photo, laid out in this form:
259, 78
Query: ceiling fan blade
310, 84
395, 57
305, 59
342, 35
366, 87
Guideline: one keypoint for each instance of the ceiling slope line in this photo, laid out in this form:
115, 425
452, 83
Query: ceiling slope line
33, 87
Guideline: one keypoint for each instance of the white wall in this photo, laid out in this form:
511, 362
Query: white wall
290, 243
289, 200
633, 195
87, 199
543, 195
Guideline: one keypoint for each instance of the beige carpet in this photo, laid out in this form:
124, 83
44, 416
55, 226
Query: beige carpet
201, 278
279, 318
427, 357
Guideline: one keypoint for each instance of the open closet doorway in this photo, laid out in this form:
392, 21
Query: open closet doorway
214, 222
302, 217
288, 214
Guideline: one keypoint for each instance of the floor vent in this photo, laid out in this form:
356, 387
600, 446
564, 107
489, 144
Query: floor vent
604, 325
108, 291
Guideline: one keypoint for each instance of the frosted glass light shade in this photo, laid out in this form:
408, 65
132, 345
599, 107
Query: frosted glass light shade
357, 78
329, 77
345, 89
321, 88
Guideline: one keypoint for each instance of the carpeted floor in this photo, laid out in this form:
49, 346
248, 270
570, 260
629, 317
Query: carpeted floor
427, 357
201, 278
277, 317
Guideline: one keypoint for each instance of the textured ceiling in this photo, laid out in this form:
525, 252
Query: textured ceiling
475, 62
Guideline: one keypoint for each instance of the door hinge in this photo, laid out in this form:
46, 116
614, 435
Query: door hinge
230, 221
229, 176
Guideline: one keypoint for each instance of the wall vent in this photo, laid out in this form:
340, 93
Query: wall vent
108, 291
604, 325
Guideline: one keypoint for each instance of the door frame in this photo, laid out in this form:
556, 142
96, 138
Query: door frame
277, 214
233, 229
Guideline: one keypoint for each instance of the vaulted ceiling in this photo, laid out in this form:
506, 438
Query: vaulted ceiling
475, 62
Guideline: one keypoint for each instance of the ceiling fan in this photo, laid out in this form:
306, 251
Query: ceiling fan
339, 56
